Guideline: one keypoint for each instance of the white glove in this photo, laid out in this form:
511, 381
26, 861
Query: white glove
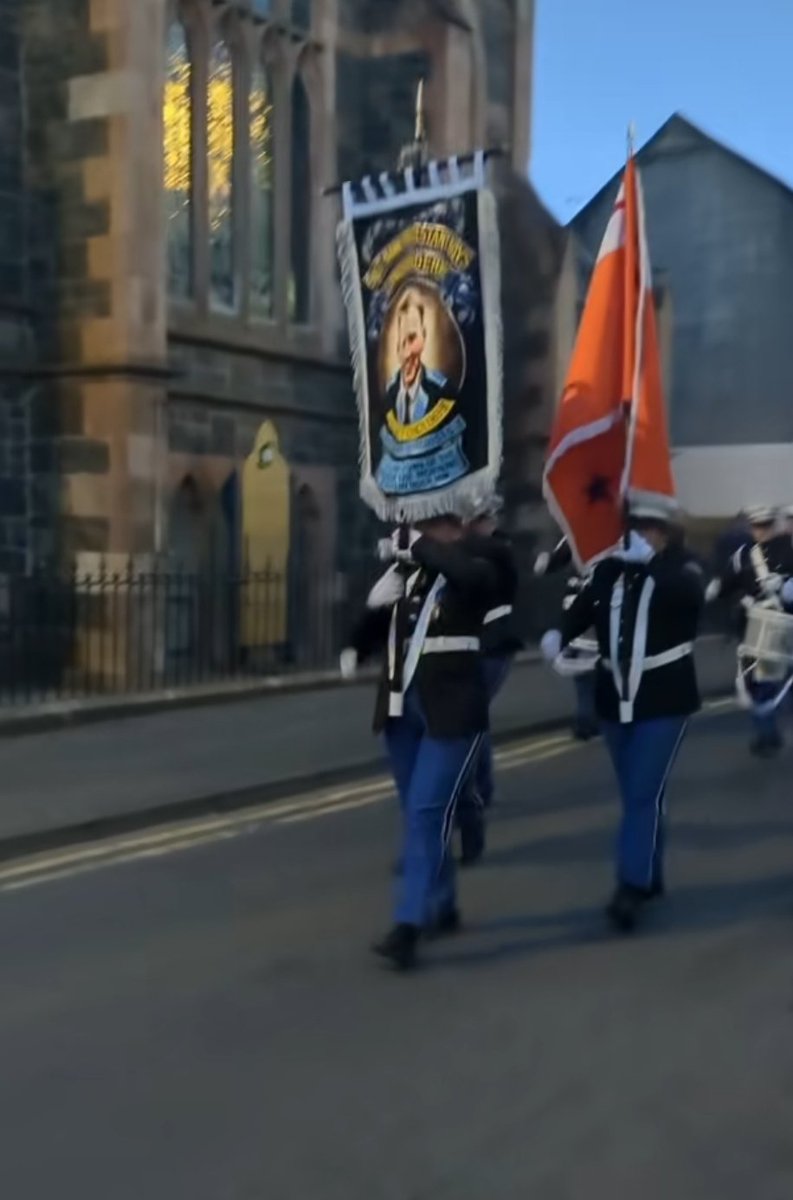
385, 551
638, 550
551, 645
772, 585
348, 663
541, 563
712, 591
787, 593
387, 591
399, 552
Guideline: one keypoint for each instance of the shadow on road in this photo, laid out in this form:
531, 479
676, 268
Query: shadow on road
690, 910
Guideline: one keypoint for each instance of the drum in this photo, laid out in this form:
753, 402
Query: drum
769, 638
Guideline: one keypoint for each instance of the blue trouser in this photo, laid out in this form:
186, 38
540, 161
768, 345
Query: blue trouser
643, 754
430, 774
766, 724
585, 699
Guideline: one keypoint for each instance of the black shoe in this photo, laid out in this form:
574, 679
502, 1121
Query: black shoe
472, 851
399, 947
445, 925
624, 907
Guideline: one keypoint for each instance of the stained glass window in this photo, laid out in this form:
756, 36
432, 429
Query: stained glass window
178, 161
220, 177
262, 251
300, 200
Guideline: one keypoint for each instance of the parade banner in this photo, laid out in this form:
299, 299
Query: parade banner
421, 283
609, 444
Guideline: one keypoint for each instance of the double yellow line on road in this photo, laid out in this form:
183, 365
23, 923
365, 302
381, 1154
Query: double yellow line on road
191, 834
187, 835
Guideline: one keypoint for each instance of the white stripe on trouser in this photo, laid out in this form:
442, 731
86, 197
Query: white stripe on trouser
659, 799
448, 816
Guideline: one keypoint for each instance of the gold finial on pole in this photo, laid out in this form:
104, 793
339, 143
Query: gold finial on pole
631, 138
416, 153
421, 133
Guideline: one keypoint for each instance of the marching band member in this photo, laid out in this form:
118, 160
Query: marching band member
789, 521
644, 604
500, 643
433, 729
756, 573
585, 725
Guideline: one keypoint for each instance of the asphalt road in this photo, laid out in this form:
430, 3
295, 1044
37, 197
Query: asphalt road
194, 1014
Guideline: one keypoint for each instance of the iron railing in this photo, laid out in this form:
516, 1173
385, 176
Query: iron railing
107, 630
103, 631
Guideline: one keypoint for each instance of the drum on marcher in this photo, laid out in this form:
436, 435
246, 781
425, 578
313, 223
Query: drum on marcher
766, 653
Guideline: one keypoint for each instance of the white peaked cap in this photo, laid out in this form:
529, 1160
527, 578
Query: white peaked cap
761, 514
643, 506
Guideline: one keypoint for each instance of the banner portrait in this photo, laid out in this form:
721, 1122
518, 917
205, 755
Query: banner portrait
421, 281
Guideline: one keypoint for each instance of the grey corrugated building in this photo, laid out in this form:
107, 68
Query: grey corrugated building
721, 231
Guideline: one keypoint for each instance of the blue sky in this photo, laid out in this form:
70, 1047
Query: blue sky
725, 64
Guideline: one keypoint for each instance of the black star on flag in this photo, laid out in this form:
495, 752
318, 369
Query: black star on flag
598, 489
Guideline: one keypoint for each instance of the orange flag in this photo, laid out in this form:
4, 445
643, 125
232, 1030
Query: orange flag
609, 443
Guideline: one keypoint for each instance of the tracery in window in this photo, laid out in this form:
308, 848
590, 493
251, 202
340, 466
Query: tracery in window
178, 161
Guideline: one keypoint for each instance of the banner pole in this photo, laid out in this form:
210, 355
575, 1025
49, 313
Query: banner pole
414, 155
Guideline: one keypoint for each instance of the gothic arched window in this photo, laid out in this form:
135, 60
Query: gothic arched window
299, 306
262, 199
178, 160
221, 139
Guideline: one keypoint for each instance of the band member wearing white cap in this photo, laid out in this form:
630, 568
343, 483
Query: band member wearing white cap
585, 725
433, 727
757, 572
645, 604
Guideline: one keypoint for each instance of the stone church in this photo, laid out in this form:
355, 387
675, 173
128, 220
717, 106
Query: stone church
171, 320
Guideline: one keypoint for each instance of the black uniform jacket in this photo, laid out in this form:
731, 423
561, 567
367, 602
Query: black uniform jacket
640, 613
744, 573
561, 559
500, 633
451, 684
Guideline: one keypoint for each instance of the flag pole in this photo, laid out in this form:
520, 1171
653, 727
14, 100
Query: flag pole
414, 155
630, 150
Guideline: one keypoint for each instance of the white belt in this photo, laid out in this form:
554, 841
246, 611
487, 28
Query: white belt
585, 645
651, 662
496, 614
448, 645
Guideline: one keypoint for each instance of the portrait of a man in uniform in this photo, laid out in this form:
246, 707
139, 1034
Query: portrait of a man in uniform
415, 389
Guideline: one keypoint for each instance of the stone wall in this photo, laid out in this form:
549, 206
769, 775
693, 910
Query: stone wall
96, 267
16, 318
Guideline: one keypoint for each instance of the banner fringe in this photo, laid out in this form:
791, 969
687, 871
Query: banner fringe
356, 325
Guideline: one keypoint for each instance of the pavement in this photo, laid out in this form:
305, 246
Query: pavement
97, 778
193, 1011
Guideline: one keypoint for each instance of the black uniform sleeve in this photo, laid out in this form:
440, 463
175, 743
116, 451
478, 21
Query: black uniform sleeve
680, 582
733, 578
497, 550
580, 616
369, 634
468, 571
